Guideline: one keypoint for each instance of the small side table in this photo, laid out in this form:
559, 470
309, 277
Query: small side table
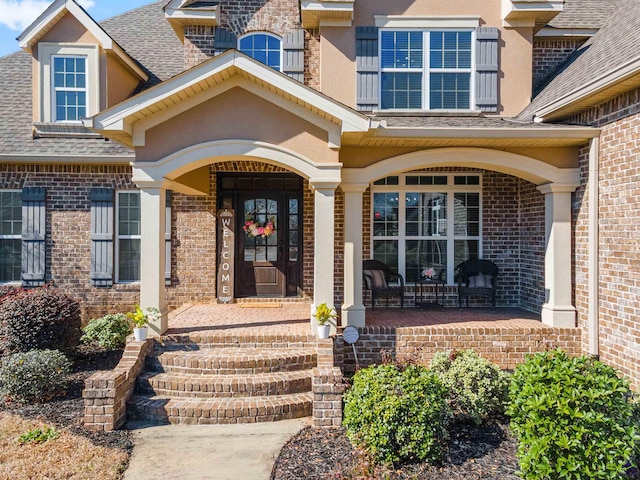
421, 289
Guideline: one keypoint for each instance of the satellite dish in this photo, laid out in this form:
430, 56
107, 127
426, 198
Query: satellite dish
350, 334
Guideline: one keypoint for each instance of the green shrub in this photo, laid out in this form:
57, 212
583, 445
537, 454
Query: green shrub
40, 319
109, 332
572, 417
397, 415
477, 387
36, 375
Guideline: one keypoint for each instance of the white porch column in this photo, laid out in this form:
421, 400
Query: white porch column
323, 242
152, 252
353, 311
557, 310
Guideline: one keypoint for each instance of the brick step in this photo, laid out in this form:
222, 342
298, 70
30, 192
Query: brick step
222, 339
208, 386
219, 410
231, 361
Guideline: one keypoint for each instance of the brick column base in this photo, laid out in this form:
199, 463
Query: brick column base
327, 388
106, 393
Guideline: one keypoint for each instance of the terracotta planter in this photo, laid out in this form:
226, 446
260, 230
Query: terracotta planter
140, 334
323, 331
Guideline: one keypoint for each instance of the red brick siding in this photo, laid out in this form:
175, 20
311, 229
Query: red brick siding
619, 229
548, 54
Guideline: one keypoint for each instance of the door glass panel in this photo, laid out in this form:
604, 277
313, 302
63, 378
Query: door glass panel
260, 230
293, 254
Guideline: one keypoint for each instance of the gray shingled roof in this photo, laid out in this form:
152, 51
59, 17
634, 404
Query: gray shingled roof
615, 44
144, 33
584, 13
430, 121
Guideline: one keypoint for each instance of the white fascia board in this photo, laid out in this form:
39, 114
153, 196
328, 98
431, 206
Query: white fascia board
490, 133
184, 16
440, 21
345, 6
566, 32
111, 119
606, 80
27, 38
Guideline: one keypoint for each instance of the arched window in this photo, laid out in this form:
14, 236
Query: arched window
264, 47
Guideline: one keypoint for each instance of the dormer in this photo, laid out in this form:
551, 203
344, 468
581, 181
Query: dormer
78, 69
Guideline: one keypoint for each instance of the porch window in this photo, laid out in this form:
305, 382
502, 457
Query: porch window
426, 69
128, 237
427, 221
265, 48
10, 236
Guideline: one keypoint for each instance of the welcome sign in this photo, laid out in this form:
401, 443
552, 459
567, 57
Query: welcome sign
226, 249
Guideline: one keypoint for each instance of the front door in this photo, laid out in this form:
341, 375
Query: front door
261, 245
268, 258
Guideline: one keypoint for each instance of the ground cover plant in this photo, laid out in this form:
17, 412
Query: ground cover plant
572, 417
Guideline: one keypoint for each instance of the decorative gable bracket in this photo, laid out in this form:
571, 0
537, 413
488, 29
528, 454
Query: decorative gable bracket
529, 13
327, 13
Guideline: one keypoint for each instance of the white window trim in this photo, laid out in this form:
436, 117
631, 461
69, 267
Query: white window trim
119, 237
268, 34
426, 69
422, 22
46, 53
11, 237
450, 189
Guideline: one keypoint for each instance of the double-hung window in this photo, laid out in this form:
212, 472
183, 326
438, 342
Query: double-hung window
265, 48
128, 237
69, 88
426, 69
426, 220
10, 236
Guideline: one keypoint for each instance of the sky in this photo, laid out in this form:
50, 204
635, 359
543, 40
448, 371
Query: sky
16, 15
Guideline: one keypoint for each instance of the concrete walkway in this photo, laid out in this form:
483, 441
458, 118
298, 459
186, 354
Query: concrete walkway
211, 452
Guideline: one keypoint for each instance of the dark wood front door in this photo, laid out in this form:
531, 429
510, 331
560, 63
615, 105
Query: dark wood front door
269, 233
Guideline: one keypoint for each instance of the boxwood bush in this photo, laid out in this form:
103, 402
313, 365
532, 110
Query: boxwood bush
397, 415
37, 375
40, 319
477, 387
572, 418
109, 332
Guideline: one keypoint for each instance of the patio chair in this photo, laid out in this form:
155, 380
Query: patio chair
377, 279
477, 277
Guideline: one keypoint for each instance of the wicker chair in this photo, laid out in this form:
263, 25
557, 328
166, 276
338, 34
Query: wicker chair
377, 279
477, 277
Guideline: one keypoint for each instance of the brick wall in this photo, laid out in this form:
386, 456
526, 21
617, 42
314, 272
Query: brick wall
506, 347
242, 16
513, 238
619, 230
548, 54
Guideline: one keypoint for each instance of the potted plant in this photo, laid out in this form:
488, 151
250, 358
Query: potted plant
140, 319
324, 314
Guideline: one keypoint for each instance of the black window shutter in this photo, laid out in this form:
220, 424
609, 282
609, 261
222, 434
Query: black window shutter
34, 226
102, 225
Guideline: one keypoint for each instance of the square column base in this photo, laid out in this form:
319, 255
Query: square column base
559, 315
353, 315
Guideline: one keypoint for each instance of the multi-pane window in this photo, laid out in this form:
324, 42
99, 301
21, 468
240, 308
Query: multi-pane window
128, 237
263, 47
426, 70
422, 221
69, 88
10, 236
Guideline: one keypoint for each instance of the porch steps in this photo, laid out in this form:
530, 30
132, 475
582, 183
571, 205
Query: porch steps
209, 378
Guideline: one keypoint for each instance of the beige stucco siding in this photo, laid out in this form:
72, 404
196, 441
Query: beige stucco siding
338, 69
120, 84
69, 30
359, 157
237, 114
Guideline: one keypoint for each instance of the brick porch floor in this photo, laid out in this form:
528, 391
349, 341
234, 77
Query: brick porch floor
294, 317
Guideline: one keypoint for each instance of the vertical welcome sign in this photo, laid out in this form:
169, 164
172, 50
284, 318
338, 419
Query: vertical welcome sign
226, 249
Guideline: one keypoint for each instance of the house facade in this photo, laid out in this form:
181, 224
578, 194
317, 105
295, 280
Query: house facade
215, 151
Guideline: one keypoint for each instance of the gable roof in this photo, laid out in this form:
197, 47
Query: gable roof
606, 65
128, 120
55, 12
584, 14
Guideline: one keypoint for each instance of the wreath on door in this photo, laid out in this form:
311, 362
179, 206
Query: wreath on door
254, 228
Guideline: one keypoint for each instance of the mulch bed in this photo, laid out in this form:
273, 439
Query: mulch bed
67, 411
486, 452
